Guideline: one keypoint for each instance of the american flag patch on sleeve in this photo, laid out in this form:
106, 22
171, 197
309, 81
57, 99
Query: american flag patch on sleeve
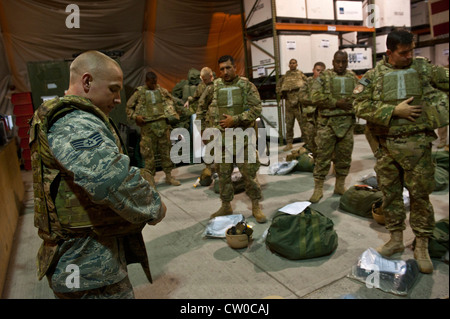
90, 142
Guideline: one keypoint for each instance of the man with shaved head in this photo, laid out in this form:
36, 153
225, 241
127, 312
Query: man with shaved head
83, 183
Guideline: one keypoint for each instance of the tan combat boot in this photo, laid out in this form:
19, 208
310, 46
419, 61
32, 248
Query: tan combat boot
257, 212
422, 256
288, 147
171, 180
339, 187
394, 245
224, 210
318, 190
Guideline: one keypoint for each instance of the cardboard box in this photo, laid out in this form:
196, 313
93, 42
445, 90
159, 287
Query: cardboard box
387, 13
441, 54
323, 48
350, 38
359, 58
320, 9
290, 47
427, 52
349, 10
283, 8
419, 13
380, 42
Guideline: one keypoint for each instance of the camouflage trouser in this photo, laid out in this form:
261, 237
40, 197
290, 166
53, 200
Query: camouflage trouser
407, 162
151, 144
120, 290
248, 171
330, 147
292, 113
309, 131
373, 142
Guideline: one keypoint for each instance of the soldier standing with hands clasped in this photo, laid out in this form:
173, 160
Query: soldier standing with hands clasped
236, 104
402, 106
332, 94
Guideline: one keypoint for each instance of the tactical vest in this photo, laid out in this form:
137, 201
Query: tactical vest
231, 99
292, 80
154, 105
339, 87
188, 90
399, 85
63, 209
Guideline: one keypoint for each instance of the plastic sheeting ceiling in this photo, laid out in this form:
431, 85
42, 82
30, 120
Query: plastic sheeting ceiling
165, 36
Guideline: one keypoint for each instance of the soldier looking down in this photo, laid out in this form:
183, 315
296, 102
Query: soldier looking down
151, 107
332, 95
235, 104
82, 182
401, 102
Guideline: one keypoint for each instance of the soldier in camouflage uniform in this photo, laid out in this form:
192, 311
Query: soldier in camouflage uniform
235, 105
201, 110
288, 86
90, 226
151, 107
309, 110
181, 93
402, 107
332, 95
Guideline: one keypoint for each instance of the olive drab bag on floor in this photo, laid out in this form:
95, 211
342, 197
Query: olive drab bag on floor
441, 173
439, 241
308, 234
358, 200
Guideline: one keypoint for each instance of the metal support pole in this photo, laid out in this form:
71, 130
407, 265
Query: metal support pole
277, 69
244, 35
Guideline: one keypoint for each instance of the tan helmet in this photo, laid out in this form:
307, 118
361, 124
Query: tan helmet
237, 241
377, 212
239, 236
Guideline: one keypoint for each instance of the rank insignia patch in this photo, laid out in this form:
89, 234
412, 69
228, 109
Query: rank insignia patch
92, 141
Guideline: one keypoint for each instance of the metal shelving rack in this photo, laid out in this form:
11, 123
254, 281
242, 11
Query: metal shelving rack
273, 28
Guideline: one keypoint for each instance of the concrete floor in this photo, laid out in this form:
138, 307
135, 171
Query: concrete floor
186, 265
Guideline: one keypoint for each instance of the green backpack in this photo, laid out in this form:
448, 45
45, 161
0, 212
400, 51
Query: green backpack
438, 244
358, 200
441, 177
305, 163
308, 234
441, 159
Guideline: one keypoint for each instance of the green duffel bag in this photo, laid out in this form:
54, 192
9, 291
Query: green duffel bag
358, 200
238, 186
305, 163
439, 241
441, 158
308, 234
441, 176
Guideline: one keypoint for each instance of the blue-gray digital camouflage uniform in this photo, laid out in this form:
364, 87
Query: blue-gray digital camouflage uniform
90, 204
334, 132
404, 147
